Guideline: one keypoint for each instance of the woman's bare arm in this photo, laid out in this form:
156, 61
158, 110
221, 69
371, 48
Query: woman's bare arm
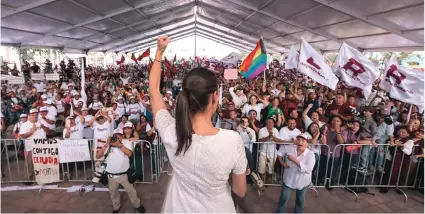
156, 99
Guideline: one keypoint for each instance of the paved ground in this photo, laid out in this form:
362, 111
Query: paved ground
152, 196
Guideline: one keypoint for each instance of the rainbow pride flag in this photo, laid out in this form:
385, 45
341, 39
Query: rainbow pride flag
255, 63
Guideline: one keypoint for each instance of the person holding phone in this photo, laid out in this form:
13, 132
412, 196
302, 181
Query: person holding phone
247, 134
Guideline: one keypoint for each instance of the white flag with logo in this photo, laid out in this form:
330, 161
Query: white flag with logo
355, 69
292, 60
406, 85
232, 58
313, 65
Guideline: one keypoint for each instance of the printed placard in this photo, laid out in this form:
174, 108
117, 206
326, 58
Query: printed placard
230, 74
73, 150
45, 157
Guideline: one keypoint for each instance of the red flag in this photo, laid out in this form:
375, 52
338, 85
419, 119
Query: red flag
121, 61
144, 54
133, 58
167, 63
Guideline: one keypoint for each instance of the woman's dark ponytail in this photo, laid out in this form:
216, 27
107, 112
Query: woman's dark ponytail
184, 126
194, 98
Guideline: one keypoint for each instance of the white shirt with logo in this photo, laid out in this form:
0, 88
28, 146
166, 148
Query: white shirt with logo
117, 161
76, 132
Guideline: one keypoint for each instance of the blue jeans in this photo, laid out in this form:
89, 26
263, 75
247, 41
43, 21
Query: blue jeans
372, 156
284, 196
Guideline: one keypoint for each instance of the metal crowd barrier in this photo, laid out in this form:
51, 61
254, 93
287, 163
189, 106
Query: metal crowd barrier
14, 165
339, 168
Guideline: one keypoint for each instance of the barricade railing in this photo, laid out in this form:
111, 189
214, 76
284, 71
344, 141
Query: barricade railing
15, 165
380, 166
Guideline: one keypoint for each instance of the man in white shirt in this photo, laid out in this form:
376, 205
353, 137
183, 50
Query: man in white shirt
101, 126
299, 162
48, 122
32, 129
289, 132
247, 134
39, 86
87, 132
52, 111
117, 165
74, 131
268, 136
238, 97
96, 104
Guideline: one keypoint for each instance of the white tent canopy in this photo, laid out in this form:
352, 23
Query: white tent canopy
80, 26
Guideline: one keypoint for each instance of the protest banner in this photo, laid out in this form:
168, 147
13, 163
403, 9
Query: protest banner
45, 157
73, 150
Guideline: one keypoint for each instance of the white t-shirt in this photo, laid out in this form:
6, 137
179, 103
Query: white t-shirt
76, 132
39, 133
247, 107
117, 161
39, 86
52, 111
46, 124
101, 131
288, 135
120, 111
248, 142
75, 102
268, 149
136, 107
307, 122
314, 148
59, 106
96, 105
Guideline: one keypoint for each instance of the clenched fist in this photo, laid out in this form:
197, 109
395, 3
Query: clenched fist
162, 43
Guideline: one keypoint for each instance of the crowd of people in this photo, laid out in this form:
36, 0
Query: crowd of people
281, 107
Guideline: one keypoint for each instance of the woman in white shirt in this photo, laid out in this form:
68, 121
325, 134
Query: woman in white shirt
253, 105
316, 139
134, 109
201, 155
298, 161
60, 105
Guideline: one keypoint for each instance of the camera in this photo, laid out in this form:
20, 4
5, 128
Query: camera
98, 173
114, 139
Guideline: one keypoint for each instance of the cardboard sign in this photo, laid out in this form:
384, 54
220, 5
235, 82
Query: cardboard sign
38, 76
13, 80
52, 77
73, 150
230, 74
45, 157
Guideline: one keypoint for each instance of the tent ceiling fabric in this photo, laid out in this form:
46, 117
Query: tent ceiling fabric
132, 25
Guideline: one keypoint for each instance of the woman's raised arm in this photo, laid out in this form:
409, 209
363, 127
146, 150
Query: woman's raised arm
156, 99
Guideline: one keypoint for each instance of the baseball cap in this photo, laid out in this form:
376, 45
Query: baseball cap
118, 131
128, 125
33, 110
84, 108
44, 96
304, 135
169, 92
69, 117
23, 115
43, 108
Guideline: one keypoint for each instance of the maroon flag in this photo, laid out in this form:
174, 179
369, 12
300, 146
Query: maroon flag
121, 61
144, 54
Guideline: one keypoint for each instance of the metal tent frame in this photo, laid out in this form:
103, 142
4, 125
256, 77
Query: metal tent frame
132, 25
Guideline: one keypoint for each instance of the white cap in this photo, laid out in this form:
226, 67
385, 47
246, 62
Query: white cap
118, 131
44, 96
23, 115
132, 97
43, 108
128, 125
169, 92
304, 135
120, 98
84, 108
69, 117
74, 92
33, 110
